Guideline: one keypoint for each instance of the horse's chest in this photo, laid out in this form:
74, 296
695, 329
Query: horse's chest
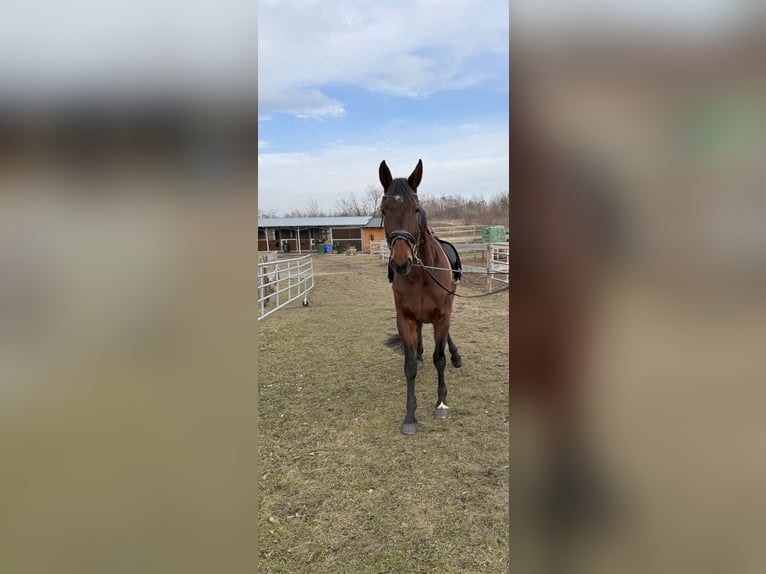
419, 307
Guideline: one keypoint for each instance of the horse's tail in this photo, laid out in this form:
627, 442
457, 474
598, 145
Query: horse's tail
395, 342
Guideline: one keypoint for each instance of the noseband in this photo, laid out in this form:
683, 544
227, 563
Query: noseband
412, 241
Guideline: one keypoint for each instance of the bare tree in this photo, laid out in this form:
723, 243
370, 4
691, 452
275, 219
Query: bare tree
266, 214
366, 203
350, 205
475, 211
373, 194
311, 209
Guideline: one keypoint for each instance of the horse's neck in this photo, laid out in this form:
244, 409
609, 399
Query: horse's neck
428, 250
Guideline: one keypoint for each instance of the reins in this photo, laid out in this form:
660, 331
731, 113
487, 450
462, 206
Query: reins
399, 234
464, 271
452, 291
414, 243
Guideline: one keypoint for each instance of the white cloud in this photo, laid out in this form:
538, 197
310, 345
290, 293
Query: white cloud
128, 47
618, 16
467, 164
405, 47
301, 103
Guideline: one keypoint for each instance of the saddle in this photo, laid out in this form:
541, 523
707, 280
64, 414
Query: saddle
452, 255
454, 259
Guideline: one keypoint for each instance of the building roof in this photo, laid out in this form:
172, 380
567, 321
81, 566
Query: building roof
313, 221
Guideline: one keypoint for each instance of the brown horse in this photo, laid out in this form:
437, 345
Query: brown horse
561, 222
422, 283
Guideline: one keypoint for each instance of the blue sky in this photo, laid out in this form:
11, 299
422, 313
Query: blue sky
344, 85
371, 116
341, 84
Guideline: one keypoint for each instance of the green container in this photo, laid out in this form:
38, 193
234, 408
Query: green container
320, 247
493, 234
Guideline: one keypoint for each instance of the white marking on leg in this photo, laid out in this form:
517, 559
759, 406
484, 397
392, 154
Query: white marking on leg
442, 406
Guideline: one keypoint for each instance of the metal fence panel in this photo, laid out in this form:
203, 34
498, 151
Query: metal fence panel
380, 248
497, 264
282, 281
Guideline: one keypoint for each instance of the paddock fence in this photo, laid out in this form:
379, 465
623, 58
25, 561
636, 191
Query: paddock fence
459, 233
282, 281
497, 264
380, 249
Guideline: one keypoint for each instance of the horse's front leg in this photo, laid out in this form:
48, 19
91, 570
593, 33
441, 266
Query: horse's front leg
408, 334
419, 357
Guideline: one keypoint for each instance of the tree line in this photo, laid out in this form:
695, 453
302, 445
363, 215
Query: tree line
452, 208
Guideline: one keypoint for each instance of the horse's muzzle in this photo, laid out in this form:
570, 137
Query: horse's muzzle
402, 269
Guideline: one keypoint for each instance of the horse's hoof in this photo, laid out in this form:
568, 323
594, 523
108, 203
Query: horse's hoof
457, 363
409, 428
419, 363
441, 413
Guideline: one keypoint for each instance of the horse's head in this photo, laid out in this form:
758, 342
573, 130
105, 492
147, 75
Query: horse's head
401, 216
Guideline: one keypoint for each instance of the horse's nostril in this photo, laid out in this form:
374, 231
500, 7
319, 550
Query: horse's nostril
402, 269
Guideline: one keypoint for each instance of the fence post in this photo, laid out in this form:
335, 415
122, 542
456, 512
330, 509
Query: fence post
490, 256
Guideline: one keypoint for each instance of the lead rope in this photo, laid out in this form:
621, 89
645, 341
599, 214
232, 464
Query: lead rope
416, 261
426, 268
453, 292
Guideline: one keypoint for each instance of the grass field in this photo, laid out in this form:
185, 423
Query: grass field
128, 414
341, 490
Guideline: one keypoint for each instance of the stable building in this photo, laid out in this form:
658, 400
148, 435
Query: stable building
304, 234
373, 231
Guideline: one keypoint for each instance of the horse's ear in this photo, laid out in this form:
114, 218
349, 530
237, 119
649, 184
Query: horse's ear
416, 176
385, 175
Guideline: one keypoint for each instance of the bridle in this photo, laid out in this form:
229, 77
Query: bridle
412, 240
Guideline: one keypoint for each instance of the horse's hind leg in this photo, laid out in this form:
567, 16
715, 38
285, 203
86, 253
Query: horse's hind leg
457, 361
440, 361
419, 357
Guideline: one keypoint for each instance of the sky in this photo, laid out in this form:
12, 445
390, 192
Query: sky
647, 16
343, 85
340, 84
52, 50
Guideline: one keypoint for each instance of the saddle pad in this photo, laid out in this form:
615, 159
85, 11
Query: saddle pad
454, 259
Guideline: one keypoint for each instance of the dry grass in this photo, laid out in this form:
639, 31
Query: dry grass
341, 490
127, 446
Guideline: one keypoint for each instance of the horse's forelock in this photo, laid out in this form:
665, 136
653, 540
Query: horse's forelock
400, 188
405, 201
